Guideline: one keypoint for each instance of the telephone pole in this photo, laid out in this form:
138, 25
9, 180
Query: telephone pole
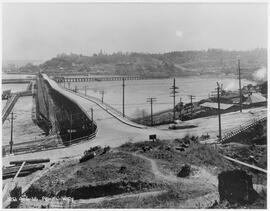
151, 100
180, 108
240, 89
11, 135
191, 98
123, 97
92, 119
70, 129
85, 90
102, 95
174, 92
219, 117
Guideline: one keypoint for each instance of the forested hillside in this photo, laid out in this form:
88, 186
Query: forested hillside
182, 63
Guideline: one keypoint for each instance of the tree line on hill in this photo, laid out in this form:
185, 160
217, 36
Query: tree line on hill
178, 63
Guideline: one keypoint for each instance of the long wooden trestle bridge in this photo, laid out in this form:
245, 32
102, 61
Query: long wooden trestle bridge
86, 79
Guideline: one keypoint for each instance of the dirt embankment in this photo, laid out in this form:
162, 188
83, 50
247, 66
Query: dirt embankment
121, 172
101, 175
123, 177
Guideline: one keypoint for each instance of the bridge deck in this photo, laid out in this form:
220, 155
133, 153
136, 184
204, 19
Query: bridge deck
17, 81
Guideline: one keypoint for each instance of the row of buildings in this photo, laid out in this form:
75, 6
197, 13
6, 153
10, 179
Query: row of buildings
252, 96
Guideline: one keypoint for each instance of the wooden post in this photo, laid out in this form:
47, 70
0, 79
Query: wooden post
92, 119
180, 108
102, 96
240, 89
11, 135
173, 95
70, 129
151, 100
191, 98
123, 97
219, 117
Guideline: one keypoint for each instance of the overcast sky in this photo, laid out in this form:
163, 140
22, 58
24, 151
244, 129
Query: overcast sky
41, 31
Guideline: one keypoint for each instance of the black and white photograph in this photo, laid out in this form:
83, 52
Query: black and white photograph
134, 105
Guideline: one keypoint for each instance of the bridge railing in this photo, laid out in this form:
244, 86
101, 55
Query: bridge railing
86, 79
242, 128
109, 107
44, 144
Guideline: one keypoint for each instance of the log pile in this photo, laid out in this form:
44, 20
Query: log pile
29, 167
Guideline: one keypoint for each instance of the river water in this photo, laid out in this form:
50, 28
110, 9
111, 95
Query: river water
137, 91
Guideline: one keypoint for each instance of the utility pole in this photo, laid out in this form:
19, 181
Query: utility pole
174, 92
11, 135
102, 95
70, 129
92, 119
191, 98
240, 89
85, 90
219, 117
151, 100
123, 97
180, 107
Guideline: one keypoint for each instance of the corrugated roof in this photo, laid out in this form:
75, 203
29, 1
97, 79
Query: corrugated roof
215, 105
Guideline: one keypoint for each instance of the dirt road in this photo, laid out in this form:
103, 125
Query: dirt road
201, 176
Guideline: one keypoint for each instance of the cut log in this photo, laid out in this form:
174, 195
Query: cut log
31, 167
21, 174
33, 161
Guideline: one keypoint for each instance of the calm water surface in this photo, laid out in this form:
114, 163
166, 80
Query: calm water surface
137, 91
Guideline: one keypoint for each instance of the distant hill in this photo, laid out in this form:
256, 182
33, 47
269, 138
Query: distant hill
182, 63
20, 63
